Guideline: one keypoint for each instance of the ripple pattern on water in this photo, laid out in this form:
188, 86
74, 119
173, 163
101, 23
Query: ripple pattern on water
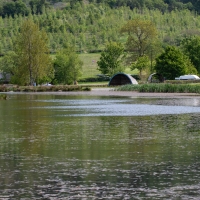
99, 148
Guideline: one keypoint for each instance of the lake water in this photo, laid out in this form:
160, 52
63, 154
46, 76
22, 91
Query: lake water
99, 147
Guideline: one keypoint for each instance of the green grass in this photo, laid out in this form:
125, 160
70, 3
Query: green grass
90, 67
94, 83
162, 87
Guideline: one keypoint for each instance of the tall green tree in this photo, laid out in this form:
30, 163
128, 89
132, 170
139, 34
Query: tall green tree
7, 63
111, 59
140, 33
141, 64
34, 63
191, 47
173, 63
67, 66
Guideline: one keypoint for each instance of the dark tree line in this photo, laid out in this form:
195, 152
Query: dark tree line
14, 8
24, 7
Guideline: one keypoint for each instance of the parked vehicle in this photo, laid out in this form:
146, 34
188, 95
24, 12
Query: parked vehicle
188, 77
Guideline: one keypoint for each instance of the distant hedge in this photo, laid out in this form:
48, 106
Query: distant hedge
162, 88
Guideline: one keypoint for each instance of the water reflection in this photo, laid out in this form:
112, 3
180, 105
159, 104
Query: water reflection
59, 147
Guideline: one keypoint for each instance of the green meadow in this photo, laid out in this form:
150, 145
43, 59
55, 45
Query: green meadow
90, 67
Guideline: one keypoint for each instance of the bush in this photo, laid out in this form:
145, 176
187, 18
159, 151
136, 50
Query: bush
161, 87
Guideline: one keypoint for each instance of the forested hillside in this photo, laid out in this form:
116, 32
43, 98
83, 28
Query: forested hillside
24, 7
90, 26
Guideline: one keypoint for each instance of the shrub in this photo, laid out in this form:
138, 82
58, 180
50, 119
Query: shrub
161, 87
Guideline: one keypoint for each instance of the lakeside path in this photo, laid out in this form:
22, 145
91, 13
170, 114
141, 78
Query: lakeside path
111, 92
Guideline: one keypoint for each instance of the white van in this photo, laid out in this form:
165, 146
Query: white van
188, 77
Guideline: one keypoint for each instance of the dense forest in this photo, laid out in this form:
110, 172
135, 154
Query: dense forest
88, 26
11, 7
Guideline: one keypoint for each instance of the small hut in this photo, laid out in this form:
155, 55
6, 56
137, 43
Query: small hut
122, 79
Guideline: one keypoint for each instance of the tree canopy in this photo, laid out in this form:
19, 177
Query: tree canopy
191, 47
111, 59
33, 63
141, 33
141, 64
67, 66
173, 63
162, 5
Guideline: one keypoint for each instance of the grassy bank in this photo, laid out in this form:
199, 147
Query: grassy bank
8, 88
162, 87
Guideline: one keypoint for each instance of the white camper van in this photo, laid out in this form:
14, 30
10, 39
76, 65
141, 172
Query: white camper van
188, 77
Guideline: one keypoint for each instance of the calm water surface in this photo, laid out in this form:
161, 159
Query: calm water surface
80, 147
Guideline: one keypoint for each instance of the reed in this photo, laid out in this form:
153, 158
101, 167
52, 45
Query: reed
162, 87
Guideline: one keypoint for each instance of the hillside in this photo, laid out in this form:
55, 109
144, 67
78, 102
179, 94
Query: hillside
12, 7
90, 26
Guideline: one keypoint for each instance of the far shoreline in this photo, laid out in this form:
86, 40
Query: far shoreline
111, 92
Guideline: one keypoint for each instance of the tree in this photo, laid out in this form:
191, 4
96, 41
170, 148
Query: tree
33, 62
37, 6
7, 65
141, 33
173, 63
21, 8
7, 62
141, 64
14, 8
191, 47
111, 59
67, 66
9, 9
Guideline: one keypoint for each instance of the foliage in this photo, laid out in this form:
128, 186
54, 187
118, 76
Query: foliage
33, 62
111, 59
38, 6
141, 33
90, 26
162, 88
7, 62
14, 8
191, 47
67, 66
173, 63
141, 64
162, 5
